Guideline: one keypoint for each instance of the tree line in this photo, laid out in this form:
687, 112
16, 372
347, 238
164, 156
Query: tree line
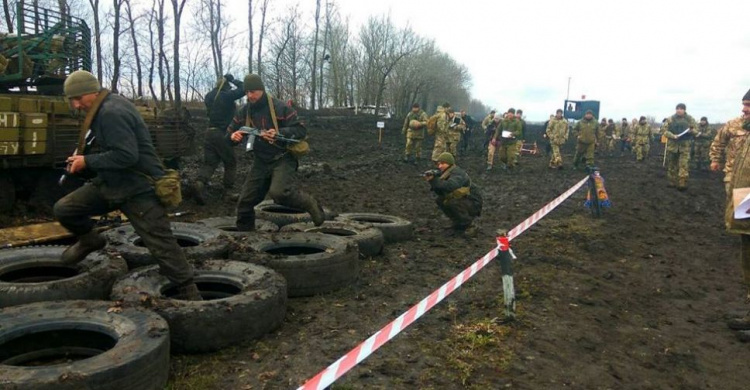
150, 49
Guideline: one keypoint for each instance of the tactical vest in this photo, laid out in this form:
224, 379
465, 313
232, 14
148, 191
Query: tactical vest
678, 125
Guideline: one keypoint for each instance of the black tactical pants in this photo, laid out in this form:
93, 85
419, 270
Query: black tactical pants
217, 149
275, 179
144, 212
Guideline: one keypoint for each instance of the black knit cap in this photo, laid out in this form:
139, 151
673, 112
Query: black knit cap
682, 106
747, 96
703, 118
253, 82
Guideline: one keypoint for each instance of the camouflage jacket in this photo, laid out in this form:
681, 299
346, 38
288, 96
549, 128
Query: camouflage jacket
705, 134
443, 125
729, 139
487, 120
740, 178
586, 131
642, 133
624, 132
557, 131
602, 130
420, 116
676, 125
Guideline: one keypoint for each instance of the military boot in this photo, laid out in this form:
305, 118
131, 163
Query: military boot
739, 323
316, 212
200, 192
188, 292
682, 184
86, 244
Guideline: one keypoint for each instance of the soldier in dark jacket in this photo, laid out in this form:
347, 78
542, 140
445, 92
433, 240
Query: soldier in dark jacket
125, 162
457, 196
274, 165
220, 107
586, 131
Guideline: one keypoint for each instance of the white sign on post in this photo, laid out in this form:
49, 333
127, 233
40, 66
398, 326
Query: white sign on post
381, 125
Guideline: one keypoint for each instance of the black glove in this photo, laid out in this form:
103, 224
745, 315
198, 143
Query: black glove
229, 77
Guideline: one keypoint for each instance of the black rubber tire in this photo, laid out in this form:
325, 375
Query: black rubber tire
282, 215
257, 307
368, 238
35, 274
332, 263
394, 228
206, 242
132, 346
229, 225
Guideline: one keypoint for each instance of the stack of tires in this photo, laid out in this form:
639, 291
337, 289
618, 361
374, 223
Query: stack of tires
111, 321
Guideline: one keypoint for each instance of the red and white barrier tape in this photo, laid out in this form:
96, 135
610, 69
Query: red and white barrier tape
326, 377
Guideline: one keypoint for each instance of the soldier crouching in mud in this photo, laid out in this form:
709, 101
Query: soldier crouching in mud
457, 196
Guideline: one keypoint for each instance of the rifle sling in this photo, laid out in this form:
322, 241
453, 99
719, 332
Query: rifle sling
90, 115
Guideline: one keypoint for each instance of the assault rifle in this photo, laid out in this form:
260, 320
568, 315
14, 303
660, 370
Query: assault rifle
432, 172
252, 131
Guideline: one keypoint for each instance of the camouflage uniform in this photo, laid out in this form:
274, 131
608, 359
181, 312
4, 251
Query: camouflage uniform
455, 130
457, 197
642, 140
600, 134
442, 135
508, 150
729, 139
486, 122
701, 146
738, 169
586, 133
609, 140
557, 133
624, 135
414, 137
678, 149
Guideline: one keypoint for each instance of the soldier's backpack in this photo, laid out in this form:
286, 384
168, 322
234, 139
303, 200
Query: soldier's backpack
432, 124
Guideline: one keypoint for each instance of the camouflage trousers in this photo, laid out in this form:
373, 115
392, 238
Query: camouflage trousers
556, 160
641, 150
609, 145
461, 211
584, 153
508, 154
445, 143
677, 166
700, 158
413, 145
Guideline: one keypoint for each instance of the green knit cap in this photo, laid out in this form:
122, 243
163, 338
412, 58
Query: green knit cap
81, 83
447, 158
253, 82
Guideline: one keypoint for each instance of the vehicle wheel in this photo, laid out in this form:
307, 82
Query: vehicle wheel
71, 345
241, 302
7, 193
282, 215
35, 274
369, 239
229, 225
311, 263
197, 241
394, 228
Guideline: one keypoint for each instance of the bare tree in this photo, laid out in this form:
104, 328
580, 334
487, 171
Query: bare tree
261, 35
151, 20
250, 35
326, 56
97, 38
177, 7
215, 23
313, 84
116, 4
138, 66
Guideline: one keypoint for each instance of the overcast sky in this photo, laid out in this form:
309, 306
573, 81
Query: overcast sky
636, 57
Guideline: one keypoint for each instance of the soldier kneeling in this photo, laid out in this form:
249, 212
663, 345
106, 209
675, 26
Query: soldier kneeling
457, 196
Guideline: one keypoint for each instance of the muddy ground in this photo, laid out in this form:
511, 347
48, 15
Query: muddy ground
636, 299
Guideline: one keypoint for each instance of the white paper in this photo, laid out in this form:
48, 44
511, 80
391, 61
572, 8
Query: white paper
507, 134
741, 201
683, 133
381, 125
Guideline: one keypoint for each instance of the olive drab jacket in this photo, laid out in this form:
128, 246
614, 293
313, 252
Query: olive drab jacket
586, 130
512, 125
557, 131
729, 139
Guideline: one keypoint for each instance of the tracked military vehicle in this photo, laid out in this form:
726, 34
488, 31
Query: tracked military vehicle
38, 128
